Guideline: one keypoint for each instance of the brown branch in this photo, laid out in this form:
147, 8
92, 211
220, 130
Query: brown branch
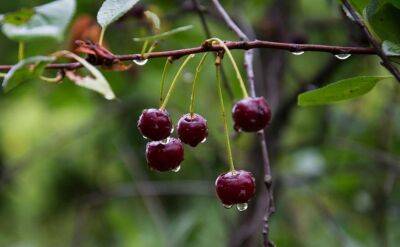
385, 60
232, 45
248, 63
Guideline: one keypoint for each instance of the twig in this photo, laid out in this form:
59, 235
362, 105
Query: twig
232, 45
248, 63
385, 60
200, 11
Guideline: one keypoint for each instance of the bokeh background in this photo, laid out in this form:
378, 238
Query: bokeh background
72, 165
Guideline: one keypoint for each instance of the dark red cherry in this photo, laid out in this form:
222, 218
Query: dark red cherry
155, 124
192, 129
164, 156
235, 187
251, 114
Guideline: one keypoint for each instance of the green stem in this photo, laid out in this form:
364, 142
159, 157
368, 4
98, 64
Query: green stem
152, 47
221, 100
21, 51
144, 48
164, 75
172, 87
238, 75
103, 31
192, 97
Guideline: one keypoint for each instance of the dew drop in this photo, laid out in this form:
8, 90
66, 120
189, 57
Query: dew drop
188, 77
172, 130
177, 169
227, 206
204, 140
241, 206
342, 56
140, 62
145, 138
298, 53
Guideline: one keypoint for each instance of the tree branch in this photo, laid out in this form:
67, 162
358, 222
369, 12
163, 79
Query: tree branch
248, 63
232, 45
385, 60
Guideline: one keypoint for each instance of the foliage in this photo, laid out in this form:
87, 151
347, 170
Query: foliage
62, 148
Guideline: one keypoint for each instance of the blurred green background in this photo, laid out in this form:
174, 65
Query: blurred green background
73, 170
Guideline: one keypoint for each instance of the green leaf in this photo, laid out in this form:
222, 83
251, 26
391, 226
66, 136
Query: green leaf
390, 48
48, 22
154, 19
384, 18
24, 71
112, 10
341, 90
19, 17
164, 35
96, 83
359, 5
396, 3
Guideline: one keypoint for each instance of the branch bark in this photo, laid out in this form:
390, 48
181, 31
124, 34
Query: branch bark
377, 46
232, 45
248, 63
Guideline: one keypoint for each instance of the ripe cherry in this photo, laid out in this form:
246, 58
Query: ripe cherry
155, 124
192, 129
164, 156
235, 187
251, 114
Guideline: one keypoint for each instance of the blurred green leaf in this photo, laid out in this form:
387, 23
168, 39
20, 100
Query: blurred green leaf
390, 48
154, 19
48, 22
24, 71
341, 90
396, 3
112, 10
359, 4
384, 19
19, 17
164, 35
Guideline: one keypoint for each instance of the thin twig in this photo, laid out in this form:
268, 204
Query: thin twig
377, 46
232, 45
248, 63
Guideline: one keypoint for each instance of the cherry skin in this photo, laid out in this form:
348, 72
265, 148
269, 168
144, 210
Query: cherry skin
155, 124
164, 156
235, 187
251, 114
192, 129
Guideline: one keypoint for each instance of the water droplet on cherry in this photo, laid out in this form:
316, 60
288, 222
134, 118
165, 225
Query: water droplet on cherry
177, 169
241, 206
227, 206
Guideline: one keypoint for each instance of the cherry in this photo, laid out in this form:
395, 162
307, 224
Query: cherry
155, 124
235, 187
164, 156
192, 129
251, 114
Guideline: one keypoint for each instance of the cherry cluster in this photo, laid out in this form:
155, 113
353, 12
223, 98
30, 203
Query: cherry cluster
165, 153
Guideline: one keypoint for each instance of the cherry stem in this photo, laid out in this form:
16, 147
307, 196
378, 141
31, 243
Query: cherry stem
55, 79
238, 75
3, 74
21, 51
164, 75
221, 100
192, 97
103, 31
173, 84
144, 48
